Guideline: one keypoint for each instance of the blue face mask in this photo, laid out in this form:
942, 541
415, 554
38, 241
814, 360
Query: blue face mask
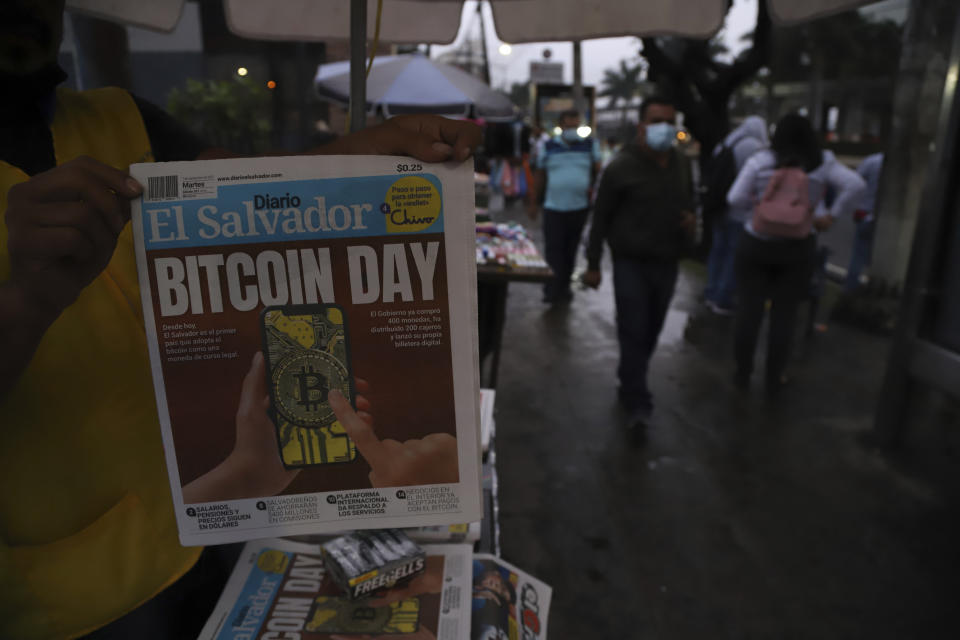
660, 136
570, 135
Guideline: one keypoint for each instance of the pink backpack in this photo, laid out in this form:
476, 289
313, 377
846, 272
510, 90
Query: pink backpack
785, 209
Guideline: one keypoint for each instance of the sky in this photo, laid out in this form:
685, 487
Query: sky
605, 53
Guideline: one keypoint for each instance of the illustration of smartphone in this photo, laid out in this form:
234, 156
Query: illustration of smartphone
306, 350
331, 614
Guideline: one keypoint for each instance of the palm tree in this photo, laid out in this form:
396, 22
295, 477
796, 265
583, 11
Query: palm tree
621, 85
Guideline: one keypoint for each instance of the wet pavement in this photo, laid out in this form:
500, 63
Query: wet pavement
741, 516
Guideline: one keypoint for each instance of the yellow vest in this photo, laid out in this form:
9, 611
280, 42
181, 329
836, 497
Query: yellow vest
87, 530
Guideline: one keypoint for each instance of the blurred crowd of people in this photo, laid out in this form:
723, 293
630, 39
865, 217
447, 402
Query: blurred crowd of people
767, 196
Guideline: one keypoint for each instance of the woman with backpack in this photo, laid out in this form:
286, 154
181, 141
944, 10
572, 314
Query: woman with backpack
775, 256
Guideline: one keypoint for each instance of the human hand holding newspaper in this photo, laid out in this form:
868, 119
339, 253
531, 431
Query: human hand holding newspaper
430, 460
427, 137
254, 467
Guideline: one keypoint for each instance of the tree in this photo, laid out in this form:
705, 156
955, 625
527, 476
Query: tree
689, 72
857, 48
621, 85
233, 114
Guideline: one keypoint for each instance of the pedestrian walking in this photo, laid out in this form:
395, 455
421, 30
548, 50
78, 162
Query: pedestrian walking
644, 212
567, 166
738, 147
775, 256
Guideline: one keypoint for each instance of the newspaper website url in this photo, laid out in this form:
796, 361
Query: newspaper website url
249, 176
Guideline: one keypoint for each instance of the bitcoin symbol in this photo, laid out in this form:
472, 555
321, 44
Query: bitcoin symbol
308, 381
301, 383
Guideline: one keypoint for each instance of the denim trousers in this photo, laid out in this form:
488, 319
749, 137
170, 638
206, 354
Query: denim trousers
862, 252
642, 291
721, 273
561, 239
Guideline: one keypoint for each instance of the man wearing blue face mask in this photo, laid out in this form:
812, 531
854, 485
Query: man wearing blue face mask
644, 212
567, 164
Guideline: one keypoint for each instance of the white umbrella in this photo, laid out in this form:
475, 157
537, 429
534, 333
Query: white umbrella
437, 21
416, 84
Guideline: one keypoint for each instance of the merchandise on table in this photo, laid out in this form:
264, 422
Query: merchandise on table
506, 245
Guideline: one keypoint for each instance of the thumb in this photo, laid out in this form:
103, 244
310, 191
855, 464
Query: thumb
414, 142
254, 386
359, 430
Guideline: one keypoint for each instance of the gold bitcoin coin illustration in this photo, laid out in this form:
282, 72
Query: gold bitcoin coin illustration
301, 383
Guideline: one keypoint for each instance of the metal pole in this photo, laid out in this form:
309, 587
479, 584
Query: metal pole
358, 62
483, 43
578, 79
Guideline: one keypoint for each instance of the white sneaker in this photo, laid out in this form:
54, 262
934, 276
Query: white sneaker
717, 309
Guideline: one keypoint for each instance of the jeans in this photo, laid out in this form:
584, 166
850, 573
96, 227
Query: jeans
862, 252
561, 239
642, 291
721, 276
775, 270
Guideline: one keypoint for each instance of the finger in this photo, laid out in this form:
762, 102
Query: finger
361, 385
105, 199
359, 430
362, 403
60, 183
122, 182
83, 217
419, 144
366, 417
87, 184
254, 387
464, 137
52, 243
460, 136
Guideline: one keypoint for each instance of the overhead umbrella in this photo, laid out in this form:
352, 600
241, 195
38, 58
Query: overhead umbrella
516, 21
416, 84
437, 21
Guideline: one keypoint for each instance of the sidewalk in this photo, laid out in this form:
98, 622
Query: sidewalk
741, 517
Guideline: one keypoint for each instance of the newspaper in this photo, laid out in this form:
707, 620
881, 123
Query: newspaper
508, 604
487, 398
280, 589
469, 532
311, 324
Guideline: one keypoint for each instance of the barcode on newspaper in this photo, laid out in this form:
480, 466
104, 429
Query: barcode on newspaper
163, 188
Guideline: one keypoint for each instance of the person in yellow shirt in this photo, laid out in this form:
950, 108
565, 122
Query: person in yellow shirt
87, 530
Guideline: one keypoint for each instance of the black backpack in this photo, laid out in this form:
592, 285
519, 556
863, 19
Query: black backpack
720, 173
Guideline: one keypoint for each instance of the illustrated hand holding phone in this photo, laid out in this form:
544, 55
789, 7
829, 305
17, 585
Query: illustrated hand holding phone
428, 460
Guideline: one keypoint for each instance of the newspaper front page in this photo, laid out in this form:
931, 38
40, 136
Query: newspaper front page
280, 589
507, 603
311, 324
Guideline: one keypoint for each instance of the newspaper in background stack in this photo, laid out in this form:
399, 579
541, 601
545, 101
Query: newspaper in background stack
280, 589
508, 603
487, 425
